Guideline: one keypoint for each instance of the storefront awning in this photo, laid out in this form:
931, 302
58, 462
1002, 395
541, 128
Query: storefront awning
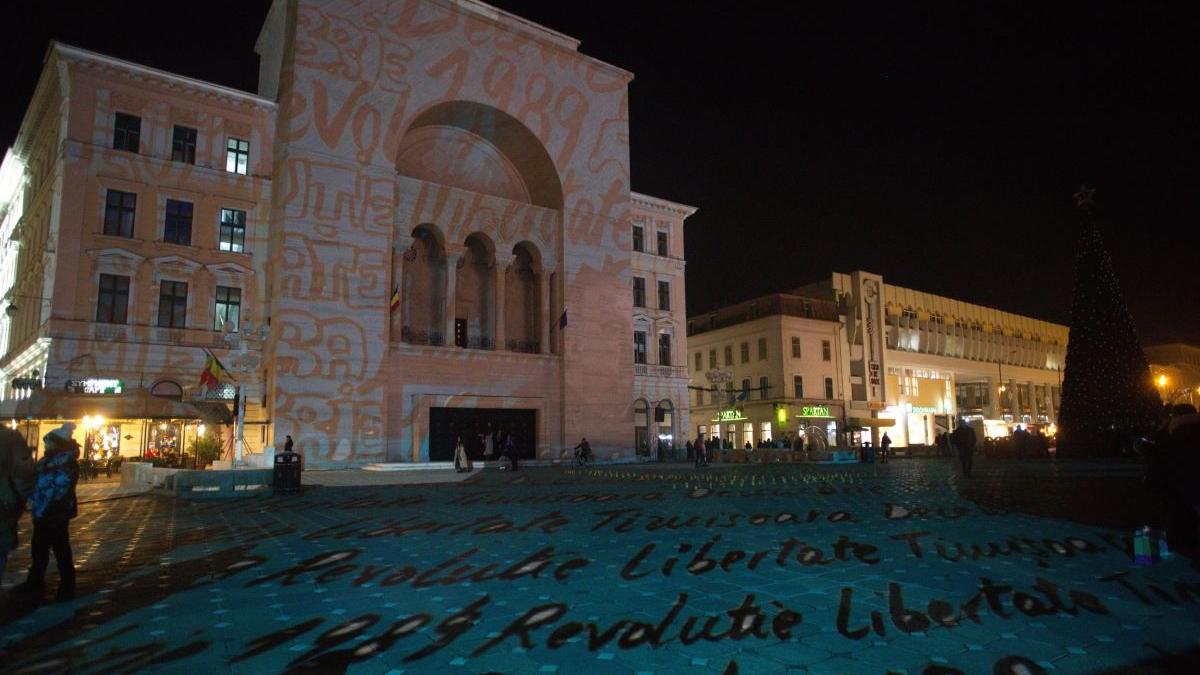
138, 404
879, 422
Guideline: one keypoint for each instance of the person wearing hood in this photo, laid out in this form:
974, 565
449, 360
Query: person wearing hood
53, 505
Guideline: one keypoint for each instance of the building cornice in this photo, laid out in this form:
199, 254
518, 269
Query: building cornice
171, 81
663, 206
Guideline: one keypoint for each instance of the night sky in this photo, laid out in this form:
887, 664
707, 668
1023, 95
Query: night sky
936, 145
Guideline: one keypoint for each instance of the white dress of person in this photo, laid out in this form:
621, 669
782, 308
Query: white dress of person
461, 461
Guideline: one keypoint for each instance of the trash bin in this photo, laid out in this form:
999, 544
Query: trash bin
286, 478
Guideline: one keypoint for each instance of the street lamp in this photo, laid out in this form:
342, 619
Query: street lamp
246, 360
12, 308
1000, 393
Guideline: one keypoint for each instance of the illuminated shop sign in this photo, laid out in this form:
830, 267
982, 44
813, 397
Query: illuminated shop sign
729, 416
95, 386
27, 383
815, 411
923, 409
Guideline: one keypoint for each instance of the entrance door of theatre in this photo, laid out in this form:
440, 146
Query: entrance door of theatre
447, 424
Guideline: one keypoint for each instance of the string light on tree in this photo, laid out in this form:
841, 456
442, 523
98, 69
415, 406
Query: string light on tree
1108, 392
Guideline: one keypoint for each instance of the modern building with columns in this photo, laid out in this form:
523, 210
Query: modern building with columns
923, 360
855, 354
439, 234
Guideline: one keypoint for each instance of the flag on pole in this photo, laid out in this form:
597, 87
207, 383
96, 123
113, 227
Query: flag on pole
562, 320
213, 373
395, 298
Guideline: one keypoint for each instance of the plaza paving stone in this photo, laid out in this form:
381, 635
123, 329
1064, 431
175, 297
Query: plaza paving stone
627, 569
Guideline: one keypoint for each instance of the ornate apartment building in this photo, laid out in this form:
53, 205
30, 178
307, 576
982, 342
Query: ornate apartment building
421, 224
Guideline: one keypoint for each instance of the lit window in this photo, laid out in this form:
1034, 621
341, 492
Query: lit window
127, 132
764, 432
237, 156
233, 230
229, 307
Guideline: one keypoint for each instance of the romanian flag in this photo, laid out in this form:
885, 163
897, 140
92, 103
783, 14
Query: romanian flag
395, 298
213, 373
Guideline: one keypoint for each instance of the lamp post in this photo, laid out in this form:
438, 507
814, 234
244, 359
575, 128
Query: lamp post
1000, 393
246, 360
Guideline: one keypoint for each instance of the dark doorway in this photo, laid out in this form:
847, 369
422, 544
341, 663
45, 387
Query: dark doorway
447, 424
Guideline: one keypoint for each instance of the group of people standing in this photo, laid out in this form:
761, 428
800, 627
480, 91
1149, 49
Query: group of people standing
47, 489
489, 446
1173, 476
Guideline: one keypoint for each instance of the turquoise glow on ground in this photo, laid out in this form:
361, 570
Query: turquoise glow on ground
751, 569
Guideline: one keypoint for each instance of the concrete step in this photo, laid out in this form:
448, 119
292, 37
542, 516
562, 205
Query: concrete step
408, 466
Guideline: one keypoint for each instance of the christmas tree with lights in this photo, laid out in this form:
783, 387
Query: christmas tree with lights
1108, 398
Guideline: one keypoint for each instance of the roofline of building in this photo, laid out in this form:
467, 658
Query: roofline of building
79, 53
662, 205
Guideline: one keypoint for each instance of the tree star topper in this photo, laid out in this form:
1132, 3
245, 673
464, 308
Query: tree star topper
1083, 198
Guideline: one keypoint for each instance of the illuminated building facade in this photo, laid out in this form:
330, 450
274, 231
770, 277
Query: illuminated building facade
908, 363
1176, 372
437, 218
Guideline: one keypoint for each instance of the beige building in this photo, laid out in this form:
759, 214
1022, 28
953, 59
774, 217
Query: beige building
1176, 372
767, 369
660, 378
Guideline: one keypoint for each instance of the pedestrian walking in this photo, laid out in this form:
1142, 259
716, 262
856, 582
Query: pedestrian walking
462, 461
964, 441
17, 475
885, 445
53, 505
510, 450
943, 444
699, 459
691, 450
288, 444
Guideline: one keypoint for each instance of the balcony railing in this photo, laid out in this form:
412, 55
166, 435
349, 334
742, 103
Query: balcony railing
412, 336
649, 370
480, 342
525, 346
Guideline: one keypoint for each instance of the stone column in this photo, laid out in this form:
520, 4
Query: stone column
452, 261
544, 312
1033, 407
1014, 401
501, 295
1050, 412
992, 409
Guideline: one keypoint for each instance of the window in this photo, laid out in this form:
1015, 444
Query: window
664, 349
229, 307
829, 388
764, 388
172, 304
127, 132
662, 244
177, 226
764, 432
639, 238
119, 209
745, 387
825, 353
798, 386
712, 359
728, 355
639, 346
744, 352
699, 362
762, 349
112, 305
795, 348
664, 295
233, 230
183, 145
237, 156
639, 292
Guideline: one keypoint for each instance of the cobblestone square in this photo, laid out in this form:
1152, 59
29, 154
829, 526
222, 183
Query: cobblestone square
628, 569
